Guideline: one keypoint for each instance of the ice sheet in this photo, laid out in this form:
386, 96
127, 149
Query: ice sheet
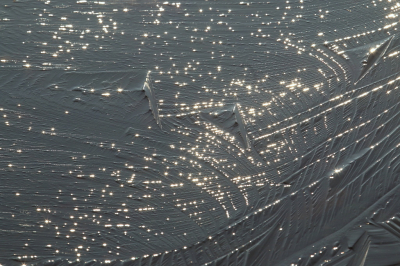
199, 132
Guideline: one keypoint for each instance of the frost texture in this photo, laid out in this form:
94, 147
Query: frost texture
199, 133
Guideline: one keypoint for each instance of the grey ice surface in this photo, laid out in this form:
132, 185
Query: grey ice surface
199, 132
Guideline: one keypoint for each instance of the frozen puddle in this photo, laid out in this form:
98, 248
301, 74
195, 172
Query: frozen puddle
199, 133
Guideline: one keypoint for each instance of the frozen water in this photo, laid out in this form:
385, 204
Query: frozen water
199, 132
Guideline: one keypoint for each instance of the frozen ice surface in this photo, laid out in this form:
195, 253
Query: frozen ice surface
199, 132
